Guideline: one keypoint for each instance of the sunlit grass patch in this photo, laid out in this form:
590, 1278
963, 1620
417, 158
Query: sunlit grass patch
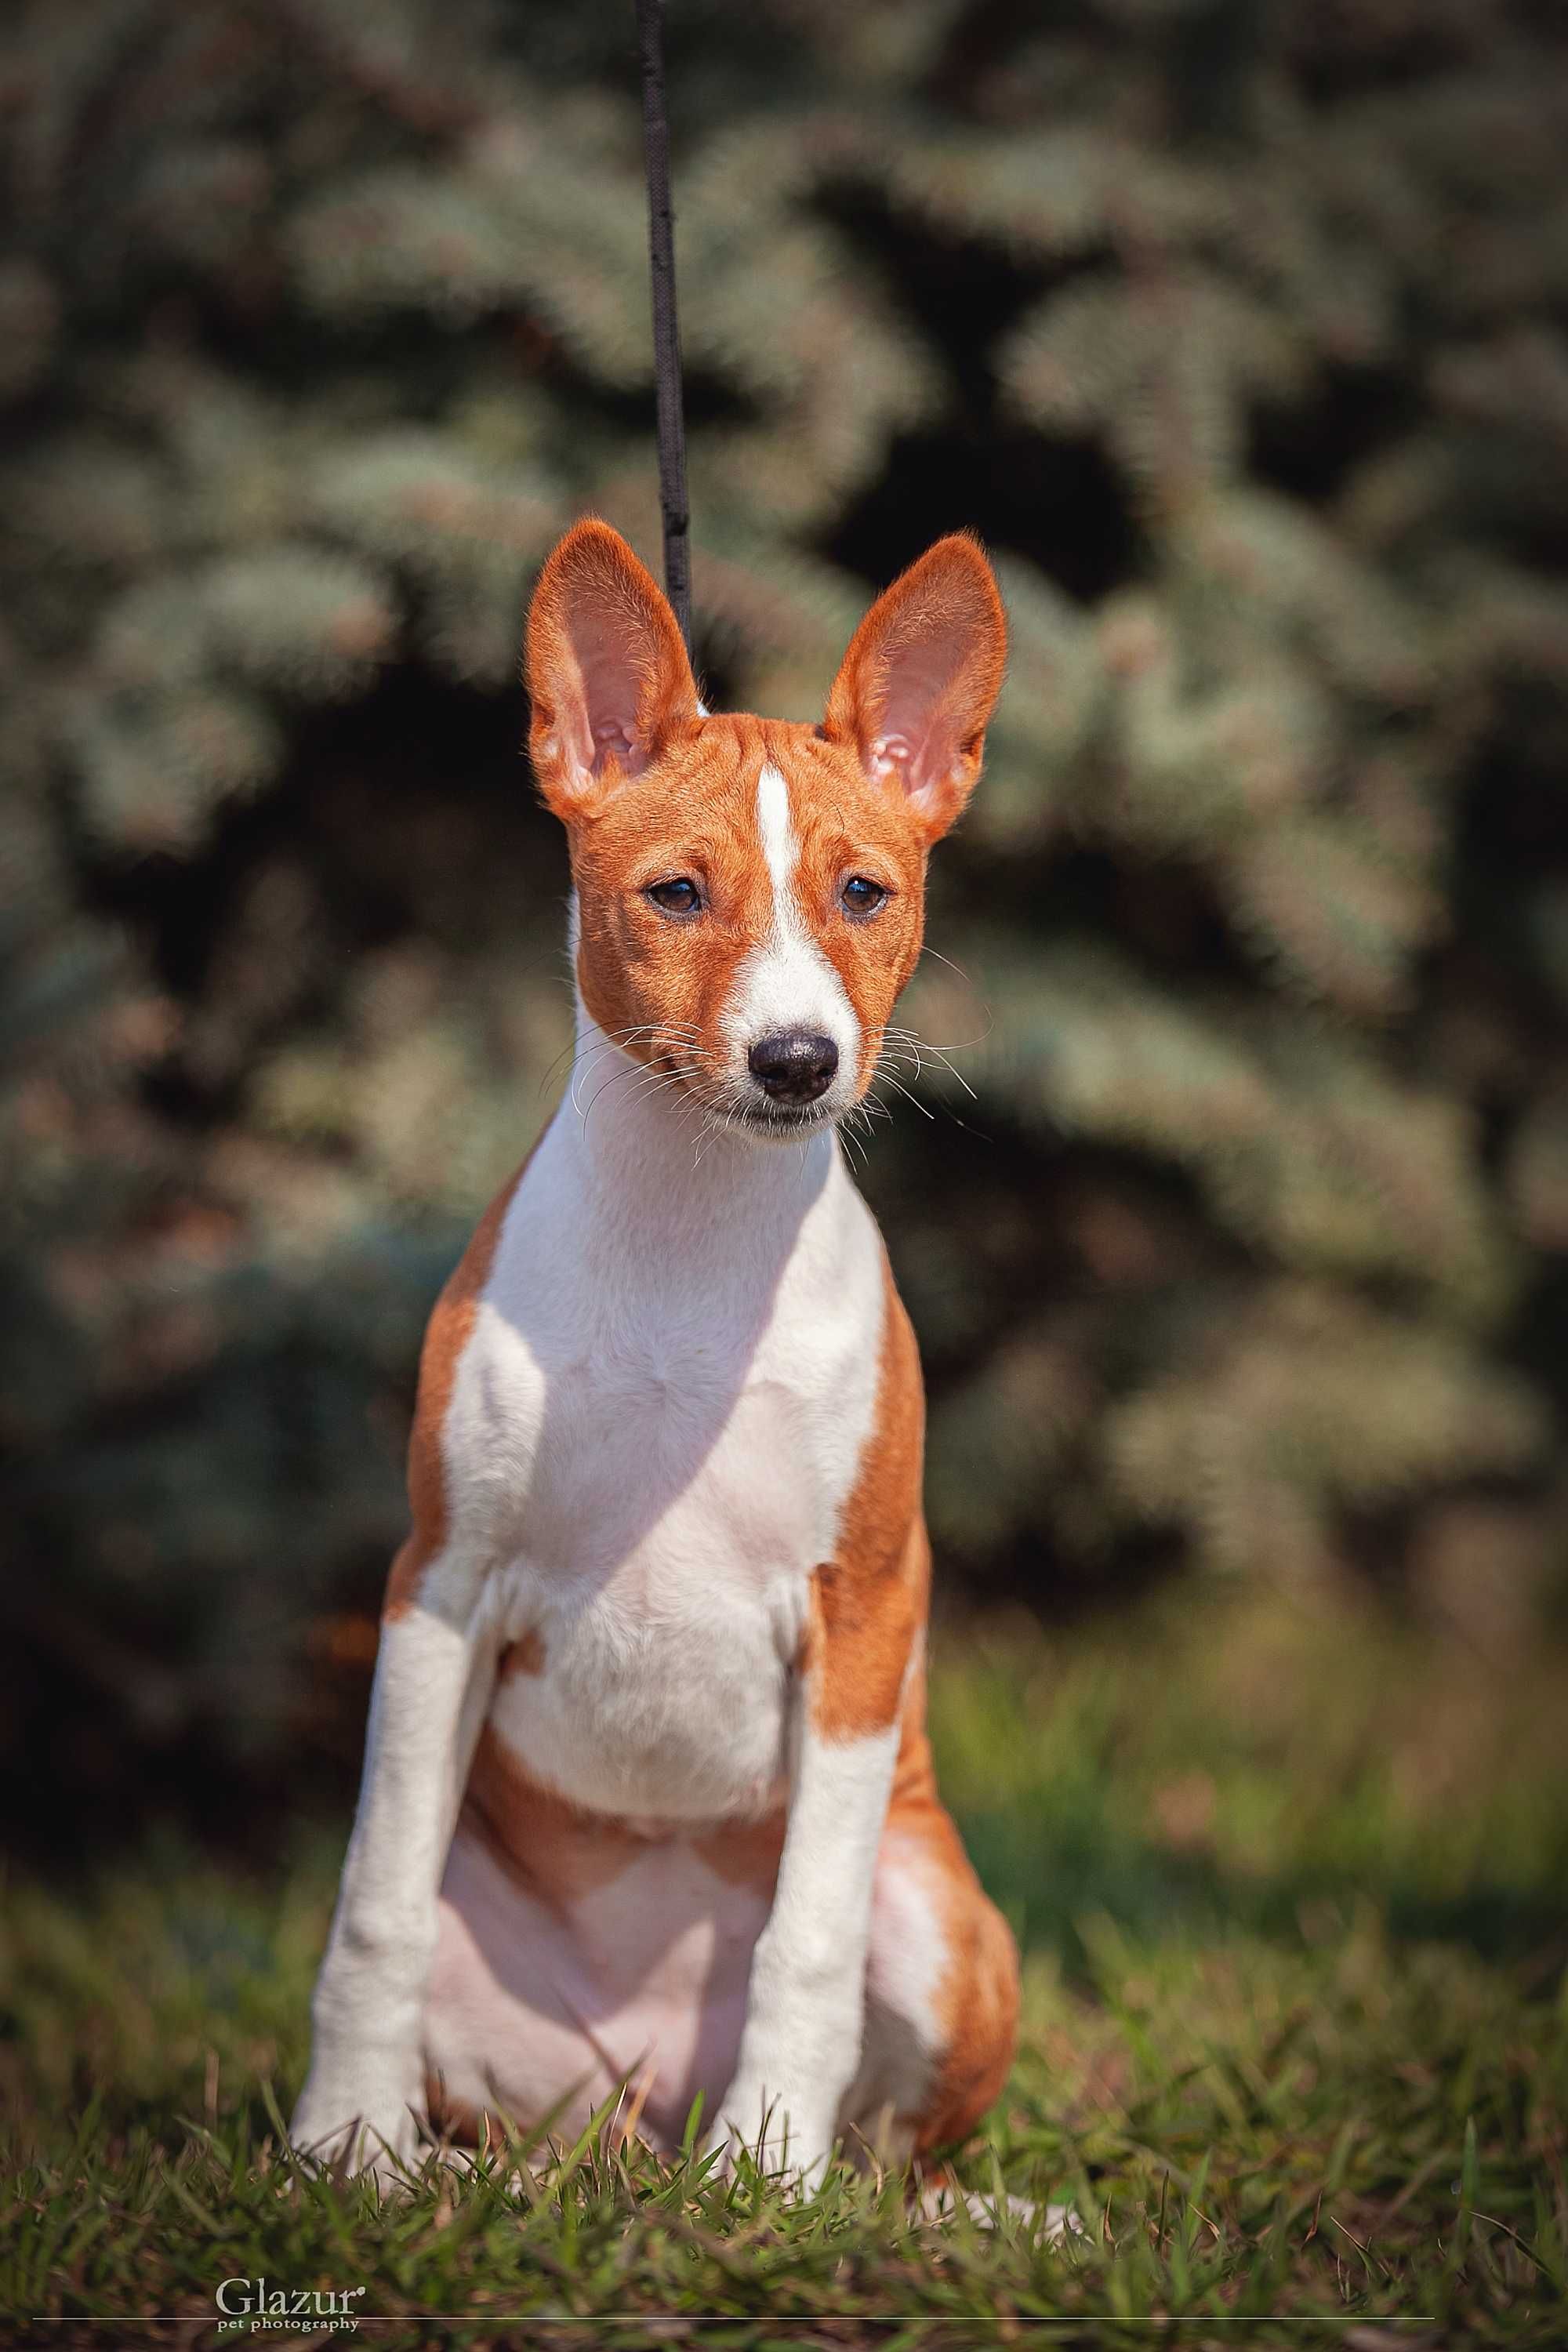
1295, 2049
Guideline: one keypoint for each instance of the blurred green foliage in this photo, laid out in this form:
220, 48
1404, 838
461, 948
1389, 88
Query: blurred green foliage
1239, 333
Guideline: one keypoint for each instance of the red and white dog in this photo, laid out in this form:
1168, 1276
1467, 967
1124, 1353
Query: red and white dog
646, 1786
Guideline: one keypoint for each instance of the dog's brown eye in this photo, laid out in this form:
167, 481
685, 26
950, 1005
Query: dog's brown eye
862, 896
679, 895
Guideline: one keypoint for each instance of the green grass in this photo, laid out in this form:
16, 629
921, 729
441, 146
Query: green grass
1293, 1890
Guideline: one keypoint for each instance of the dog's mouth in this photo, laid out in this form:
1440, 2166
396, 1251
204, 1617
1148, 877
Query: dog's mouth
744, 1111
780, 1123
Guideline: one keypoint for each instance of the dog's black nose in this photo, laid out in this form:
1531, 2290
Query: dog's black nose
793, 1066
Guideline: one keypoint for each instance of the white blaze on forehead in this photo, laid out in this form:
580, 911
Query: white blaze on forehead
777, 826
786, 982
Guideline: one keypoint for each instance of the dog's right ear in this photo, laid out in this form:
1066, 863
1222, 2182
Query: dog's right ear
606, 671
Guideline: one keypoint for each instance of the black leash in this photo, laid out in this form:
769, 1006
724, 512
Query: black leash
665, 332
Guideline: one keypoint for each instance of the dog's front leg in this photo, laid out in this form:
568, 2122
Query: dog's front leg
800, 2046
432, 1676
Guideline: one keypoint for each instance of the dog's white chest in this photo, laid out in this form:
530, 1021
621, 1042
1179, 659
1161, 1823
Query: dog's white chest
661, 1448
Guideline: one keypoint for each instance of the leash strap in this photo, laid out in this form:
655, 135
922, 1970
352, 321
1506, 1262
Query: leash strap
666, 331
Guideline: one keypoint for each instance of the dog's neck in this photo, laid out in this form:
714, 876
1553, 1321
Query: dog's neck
653, 1163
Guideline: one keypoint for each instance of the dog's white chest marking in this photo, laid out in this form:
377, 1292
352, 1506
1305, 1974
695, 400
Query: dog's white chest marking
655, 1424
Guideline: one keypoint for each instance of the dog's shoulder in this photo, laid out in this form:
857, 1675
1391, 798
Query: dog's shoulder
446, 1336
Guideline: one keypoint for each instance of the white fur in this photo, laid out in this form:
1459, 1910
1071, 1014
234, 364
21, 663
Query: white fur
432, 1680
661, 1412
786, 982
802, 2044
651, 1435
777, 826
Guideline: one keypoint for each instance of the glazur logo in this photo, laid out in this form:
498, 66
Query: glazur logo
250, 2306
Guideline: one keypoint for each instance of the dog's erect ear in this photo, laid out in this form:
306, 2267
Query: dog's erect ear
607, 674
921, 678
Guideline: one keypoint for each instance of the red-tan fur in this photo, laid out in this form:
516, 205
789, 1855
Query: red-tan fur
446, 1335
871, 1604
634, 970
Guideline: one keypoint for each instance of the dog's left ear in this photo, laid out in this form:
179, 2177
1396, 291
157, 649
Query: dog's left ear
607, 675
919, 683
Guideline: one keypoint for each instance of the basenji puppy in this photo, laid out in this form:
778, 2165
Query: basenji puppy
647, 1789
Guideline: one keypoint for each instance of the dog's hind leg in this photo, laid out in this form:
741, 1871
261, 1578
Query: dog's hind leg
941, 2002
942, 1982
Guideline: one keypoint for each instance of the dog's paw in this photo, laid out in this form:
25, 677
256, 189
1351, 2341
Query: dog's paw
940, 2201
355, 2132
786, 2135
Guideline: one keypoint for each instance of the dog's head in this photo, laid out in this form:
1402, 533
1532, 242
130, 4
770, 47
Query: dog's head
751, 891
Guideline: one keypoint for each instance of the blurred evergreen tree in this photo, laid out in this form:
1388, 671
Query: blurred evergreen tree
1238, 332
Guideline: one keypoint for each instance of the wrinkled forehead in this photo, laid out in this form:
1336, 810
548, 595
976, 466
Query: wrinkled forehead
742, 794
